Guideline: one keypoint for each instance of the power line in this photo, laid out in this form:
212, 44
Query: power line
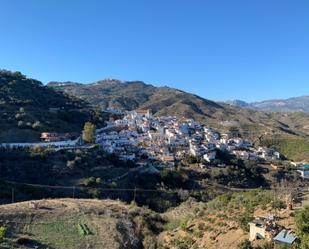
147, 190
90, 188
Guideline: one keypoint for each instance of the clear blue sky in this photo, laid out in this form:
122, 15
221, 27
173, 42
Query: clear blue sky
219, 49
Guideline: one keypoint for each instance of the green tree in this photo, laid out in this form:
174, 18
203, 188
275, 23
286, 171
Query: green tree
89, 134
302, 227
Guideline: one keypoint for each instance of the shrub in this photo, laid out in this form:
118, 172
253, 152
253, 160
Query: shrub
302, 226
36, 125
18, 116
90, 182
98, 181
243, 221
71, 164
246, 244
267, 245
278, 204
113, 185
192, 159
20, 124
3, 231
96, 194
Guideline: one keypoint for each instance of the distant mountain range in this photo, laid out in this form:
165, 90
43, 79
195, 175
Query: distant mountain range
297, 104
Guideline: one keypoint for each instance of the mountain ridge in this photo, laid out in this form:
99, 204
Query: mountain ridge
27, 108
293, 104
165, 101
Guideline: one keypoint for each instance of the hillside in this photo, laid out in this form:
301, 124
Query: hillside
166, 101
85, 223
27, 108
297, 104
77, 224
222, 222
169, 101
92, 173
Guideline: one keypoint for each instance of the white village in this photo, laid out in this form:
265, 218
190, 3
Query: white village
141, 137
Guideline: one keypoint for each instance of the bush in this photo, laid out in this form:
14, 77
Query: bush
3, 231
91, 181
192, 159
302, 226
113, 185
243, 221
36, 125
20, 124
96, 194
71, 164
18, 116
98, 181
267, 245
246, 244
278, 204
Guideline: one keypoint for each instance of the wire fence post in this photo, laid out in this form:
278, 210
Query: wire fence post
73, 192
13, 195
134, 196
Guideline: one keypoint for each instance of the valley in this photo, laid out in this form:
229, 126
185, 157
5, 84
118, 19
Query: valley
136, 166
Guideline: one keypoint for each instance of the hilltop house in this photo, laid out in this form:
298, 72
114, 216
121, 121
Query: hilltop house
262, 228
145, 113
168, 159
284, 238
209, 156
54, 137
304, 171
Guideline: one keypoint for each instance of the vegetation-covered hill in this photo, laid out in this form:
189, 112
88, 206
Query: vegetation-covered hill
169, 101
222, 222
75, 223
94, 173
27, 108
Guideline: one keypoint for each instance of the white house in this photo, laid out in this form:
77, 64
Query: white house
209, 156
